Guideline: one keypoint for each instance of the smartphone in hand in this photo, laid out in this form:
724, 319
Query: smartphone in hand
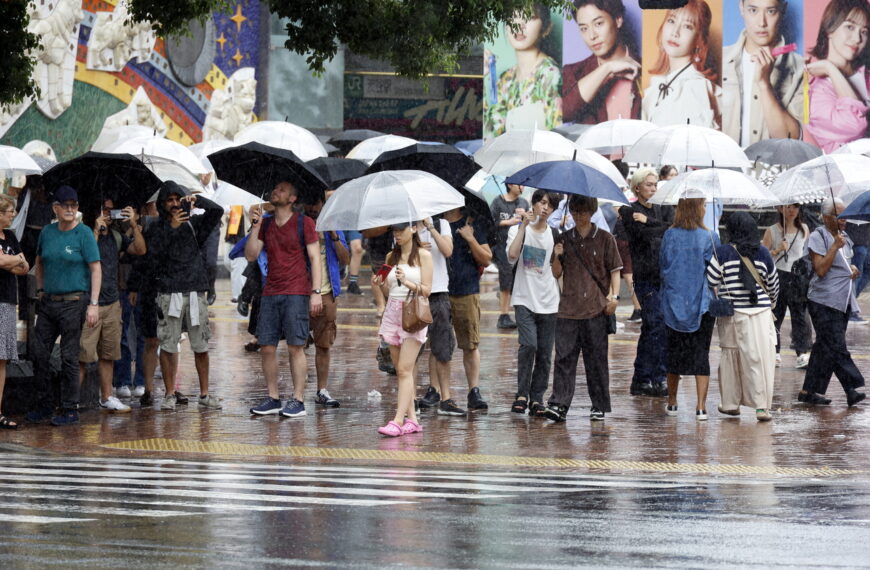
384, 271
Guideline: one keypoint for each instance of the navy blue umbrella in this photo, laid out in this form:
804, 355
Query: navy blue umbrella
568, 176
859, 209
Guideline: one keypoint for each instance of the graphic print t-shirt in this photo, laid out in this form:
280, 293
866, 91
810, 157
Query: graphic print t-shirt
535, 288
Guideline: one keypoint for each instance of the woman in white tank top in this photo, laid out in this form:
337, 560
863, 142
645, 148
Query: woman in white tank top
411, 272
786, 240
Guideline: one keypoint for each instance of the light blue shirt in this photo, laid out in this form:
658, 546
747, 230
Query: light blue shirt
560, 213
834, 290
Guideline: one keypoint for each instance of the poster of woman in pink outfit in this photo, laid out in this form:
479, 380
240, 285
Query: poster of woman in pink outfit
839, 75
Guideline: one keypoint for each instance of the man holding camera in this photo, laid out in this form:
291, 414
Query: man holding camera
102, 342
182, 283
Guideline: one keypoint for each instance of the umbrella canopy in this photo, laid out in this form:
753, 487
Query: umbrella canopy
346, 140
860, 146
97, 176
257, 168
386, 198
369, 149
687, 145
203, 149
831, 175
171, 170
859, 209
517, 149
43, 162
336, 171
782, 152
571, 177
614, 136
443, 160
572, 131
228, 195
161, 148
278, 134
112, 136
14, 162
469, 147
715, 185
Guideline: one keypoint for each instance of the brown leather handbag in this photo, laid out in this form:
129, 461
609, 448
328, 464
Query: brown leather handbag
415, 313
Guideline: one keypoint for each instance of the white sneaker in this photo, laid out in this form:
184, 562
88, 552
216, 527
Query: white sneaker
778, 360
114, 405
802, 361
138, 391
122, 392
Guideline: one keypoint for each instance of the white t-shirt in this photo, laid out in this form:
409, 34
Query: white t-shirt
535, 288
748, 67
440, 279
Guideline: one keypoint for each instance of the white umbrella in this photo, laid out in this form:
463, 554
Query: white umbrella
860, 146
369, 149
170, 170
162, 149
840, 175
203, 149
112, 136
288, 136
229, 195
614, 136
386, 198
715, 184
516, 149
687, 145
16, 162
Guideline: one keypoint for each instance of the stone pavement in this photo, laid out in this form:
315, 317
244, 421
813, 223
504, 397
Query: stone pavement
801, 442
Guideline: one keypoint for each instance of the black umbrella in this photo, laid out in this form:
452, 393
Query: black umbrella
336, 171
98, 176
782, 152
257, 168
346, 140
443, 160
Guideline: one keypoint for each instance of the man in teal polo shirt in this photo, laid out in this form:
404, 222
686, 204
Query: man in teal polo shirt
68, 279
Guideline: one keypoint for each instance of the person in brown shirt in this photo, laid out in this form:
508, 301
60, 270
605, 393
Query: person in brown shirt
588, 260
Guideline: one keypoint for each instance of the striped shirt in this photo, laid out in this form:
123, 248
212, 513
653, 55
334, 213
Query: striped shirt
723, 272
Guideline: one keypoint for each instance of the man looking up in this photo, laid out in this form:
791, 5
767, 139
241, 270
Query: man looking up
291, 293
762, 95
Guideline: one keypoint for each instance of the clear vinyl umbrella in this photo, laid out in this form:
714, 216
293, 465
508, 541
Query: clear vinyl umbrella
164, 150
614, 136
14, 162
278, 134
386, 198
722, 186
687, 145
843, 176
369, 149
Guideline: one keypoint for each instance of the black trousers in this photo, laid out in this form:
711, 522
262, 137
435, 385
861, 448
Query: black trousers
588, 336
791, 299
53, 319
830, 354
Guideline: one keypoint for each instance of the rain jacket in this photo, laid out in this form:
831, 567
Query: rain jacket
174, 256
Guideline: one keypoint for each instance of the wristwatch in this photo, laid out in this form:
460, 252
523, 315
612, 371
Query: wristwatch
94, 303
315, 291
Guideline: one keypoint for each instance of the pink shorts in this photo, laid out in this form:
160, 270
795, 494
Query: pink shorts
391, 325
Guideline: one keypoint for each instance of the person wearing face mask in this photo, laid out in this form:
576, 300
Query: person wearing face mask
683, 84
603, 86
840, 78
528, 94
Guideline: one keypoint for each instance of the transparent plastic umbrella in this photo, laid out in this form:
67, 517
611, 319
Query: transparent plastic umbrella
614, 136
161, 149
369, 149
722, 186
14, 162
278, 134
687, 145
843, 176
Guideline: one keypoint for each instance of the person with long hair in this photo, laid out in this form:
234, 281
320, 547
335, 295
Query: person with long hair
683, 83
12, 263
411, 272
839, 76
744, 272
645, 224
534, 83
605, 85
668, 172
686, 248
785, 240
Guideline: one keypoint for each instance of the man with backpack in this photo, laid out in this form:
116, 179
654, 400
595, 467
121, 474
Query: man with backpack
102, 342
290, 295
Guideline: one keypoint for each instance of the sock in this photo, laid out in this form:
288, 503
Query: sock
352, 279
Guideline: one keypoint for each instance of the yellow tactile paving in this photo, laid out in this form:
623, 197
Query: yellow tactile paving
225, 448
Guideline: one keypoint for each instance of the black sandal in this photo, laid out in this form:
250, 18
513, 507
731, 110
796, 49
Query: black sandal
536, 410
519, 406
6, 423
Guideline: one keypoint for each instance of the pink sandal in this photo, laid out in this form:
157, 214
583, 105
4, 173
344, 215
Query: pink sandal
411, 427
392, 429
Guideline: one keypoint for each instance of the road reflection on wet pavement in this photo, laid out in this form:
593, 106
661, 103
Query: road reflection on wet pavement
494, 489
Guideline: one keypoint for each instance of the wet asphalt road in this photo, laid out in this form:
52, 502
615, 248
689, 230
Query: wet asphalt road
495, 490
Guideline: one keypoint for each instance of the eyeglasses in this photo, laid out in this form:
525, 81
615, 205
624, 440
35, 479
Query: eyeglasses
69, 206
9, 210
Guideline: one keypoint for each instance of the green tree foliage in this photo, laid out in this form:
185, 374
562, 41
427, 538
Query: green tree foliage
415, 36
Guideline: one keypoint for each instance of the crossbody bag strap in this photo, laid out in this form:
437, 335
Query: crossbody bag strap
754, 272
604, 290
721, 267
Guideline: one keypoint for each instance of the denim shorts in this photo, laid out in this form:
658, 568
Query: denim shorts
283, 316
351, 235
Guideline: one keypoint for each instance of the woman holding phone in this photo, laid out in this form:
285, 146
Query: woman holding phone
410, 272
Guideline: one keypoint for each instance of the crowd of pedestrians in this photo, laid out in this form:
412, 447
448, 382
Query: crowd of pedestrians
560, 267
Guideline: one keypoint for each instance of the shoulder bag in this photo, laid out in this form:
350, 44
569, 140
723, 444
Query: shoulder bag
415, 313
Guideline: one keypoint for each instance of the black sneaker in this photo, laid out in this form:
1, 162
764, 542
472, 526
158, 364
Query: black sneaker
243, 307
66, 418
476, 401
430, 399
506, 322
596, 415
146, 400
642, 389
324, 399
853, 397
635, 317
813, 399
353, 288
556, 413
660, 389
449, 408
181, 399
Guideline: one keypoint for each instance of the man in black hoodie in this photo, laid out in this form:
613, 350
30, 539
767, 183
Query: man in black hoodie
182, 283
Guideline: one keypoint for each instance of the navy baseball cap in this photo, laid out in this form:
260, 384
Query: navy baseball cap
65, 194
